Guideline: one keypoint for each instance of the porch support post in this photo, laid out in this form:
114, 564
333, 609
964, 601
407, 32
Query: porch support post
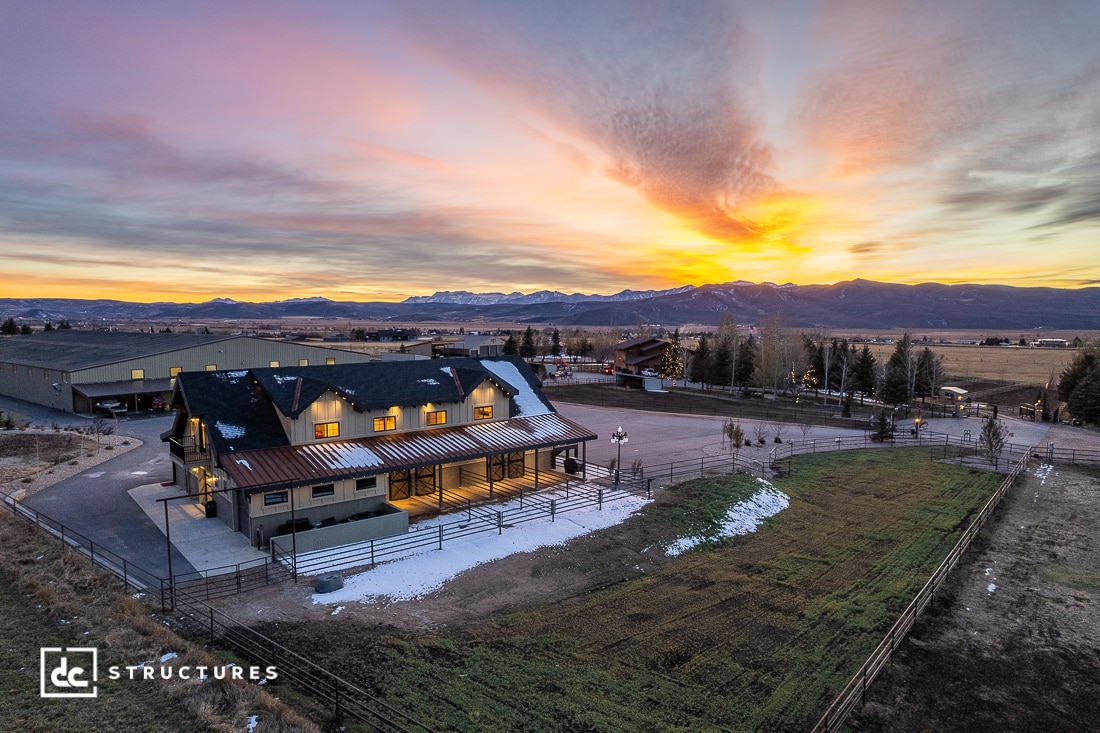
439, 484
584, 461
536, 469
293, 537
168, 540
489, 460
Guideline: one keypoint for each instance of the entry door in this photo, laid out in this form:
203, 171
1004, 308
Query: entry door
400, 485
425, 481
516, 466
510, 465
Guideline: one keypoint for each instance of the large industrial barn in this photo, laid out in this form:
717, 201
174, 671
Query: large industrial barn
116, 372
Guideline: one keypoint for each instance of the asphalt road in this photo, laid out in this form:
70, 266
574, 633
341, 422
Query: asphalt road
96, 503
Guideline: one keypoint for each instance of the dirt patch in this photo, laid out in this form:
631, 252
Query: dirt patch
32, 459
1014, 644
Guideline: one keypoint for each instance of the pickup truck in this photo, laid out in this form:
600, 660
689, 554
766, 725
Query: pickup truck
113, 408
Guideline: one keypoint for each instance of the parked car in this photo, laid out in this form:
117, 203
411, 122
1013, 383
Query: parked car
649, 372
609, 369
112, 408
159, 404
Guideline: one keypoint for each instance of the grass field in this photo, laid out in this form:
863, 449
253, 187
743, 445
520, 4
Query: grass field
1002, 363
753, 633
53, 597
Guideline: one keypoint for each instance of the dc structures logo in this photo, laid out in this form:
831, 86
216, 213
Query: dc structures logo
69, 672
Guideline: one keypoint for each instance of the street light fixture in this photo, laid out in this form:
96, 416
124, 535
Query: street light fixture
619, 437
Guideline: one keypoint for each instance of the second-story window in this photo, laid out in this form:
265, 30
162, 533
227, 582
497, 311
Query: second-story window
483, 413
437, 418
382, 424
326, 430
137, 374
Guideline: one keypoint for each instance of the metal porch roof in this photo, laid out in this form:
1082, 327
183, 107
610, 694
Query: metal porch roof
92, 390
299, 465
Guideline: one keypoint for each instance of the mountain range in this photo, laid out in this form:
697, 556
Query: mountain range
855, 304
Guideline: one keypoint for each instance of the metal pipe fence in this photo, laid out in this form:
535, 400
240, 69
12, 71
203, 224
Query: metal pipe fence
478, 520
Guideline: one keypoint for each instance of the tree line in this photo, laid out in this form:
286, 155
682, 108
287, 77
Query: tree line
787, 363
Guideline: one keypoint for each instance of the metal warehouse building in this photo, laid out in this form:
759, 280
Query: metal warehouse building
81, 371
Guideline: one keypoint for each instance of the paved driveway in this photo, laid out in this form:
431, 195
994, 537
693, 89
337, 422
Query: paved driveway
96, 503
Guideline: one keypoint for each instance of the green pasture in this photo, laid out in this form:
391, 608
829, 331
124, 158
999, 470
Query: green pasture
756, 632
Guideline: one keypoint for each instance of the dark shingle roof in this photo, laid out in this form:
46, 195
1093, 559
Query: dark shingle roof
240, 406
72, 350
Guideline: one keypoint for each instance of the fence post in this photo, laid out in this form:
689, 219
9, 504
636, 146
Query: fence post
238, 576
372, 553
441, 536
553, 507
125, 575
211, 626
600, 499
500, 523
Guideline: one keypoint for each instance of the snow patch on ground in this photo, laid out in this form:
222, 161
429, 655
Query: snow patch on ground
426, 569
742, 518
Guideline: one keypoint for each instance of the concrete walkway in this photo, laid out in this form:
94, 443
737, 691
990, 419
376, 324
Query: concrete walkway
206, 542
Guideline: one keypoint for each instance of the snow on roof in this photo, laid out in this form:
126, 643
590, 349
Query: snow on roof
229, 430
337, 456
742, 518
527, 401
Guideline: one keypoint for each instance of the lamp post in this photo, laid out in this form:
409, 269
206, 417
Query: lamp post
916, 427
619, 437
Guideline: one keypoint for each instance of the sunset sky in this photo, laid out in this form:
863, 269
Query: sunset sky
370, 150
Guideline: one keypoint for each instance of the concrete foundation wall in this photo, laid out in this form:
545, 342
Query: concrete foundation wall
394, 522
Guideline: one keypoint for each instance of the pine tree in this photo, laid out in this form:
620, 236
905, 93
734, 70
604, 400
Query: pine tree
555, 343
722, 363
672, 360
700, 362
897, 387
863, 373
509, 348
527, 348
745, 364
9, 328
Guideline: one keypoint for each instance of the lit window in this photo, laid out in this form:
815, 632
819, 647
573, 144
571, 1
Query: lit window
326, 430
483, 413
382, 424
324, 490
363, 484
303, 362
276, 497
137, 374
173, 371
437, 418
330, 360
273, 363
211, 367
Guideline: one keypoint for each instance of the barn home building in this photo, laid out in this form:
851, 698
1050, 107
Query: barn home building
82, 371
342, 450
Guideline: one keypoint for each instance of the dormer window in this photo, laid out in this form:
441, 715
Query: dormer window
439, 417
383, 424
324, 430
483, 413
